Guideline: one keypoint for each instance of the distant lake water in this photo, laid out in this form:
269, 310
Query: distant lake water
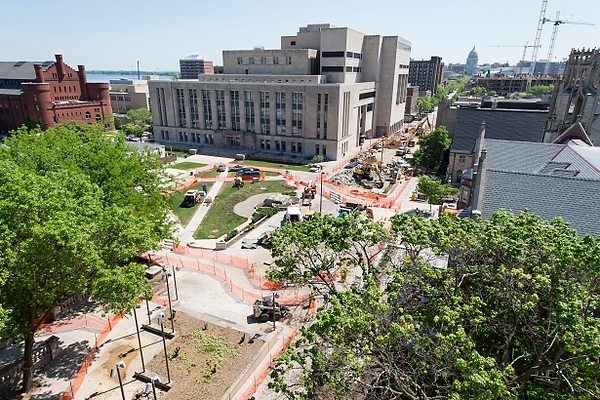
108, 77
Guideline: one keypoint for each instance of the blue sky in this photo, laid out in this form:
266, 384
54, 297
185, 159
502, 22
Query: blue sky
116, 34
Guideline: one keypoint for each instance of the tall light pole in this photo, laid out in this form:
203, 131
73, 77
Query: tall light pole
162, 329
116, 370
137, 329
321, 202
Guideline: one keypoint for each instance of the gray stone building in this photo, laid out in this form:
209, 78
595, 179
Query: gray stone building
576, 97
323, 93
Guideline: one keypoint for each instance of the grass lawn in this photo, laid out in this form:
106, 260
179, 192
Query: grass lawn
184, 214
221, 219
257, 163
186, 165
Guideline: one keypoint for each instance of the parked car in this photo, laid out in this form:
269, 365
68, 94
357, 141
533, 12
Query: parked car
221, 168
247, 170
249, 175
236, 168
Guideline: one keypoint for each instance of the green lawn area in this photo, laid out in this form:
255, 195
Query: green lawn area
221, 219
186, 165
258, 163
184, 214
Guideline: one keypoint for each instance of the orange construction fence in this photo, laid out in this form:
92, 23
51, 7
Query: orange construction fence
76, 383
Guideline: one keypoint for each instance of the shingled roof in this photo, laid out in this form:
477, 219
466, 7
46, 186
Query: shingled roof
517, 125
550, 180
21, 70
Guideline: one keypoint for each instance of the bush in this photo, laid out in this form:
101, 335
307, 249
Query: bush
231, 235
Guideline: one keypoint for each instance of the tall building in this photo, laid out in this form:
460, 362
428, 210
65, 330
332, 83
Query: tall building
192, 66
426, 74
323, 93
472, 62
49, 92
576, 97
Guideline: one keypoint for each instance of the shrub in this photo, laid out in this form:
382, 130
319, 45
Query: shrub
233, 233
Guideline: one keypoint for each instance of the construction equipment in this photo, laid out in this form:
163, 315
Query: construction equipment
238, 182
363, 170
524, 52
309, 192
557, 22
191, 198
267, 308
352, 208
536, 43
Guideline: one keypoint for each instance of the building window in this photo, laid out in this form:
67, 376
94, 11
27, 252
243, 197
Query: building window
249, 110
98, 117
265, 119
207, 109
318, 117
283, 145
461, 159
251, 60
297, 113
221, 118
268, 144
299, 147
316, 149
263, 60
293, 43
88, 115
181, 107
277, 145
293, 150
280, 117
275, 60
325, 110
262, 144
194, 114
234, 105
240, 60
332, 69
332, 54
324, 152
288, 60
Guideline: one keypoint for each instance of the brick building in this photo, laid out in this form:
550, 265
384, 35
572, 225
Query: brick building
194, 65
48, 93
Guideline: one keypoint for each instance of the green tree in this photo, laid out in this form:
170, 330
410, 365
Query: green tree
433, 145
321, 247
510, 315
426, 104
138, 121
77, 204
477, 91
434, 190
538, 90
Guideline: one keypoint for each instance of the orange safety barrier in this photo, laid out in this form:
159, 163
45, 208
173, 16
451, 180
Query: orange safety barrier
76, 383
259, 377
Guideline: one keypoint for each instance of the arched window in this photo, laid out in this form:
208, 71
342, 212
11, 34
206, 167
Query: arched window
98, 117
88, 115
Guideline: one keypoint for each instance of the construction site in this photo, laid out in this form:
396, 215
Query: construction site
375, 171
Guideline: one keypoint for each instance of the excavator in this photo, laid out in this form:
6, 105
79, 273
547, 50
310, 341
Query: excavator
363, 170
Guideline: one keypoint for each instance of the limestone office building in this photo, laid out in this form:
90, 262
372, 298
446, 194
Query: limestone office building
323, 93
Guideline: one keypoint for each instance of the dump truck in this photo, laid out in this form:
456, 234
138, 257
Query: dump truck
267, 308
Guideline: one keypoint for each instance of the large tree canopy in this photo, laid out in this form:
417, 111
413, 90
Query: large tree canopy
433, 145
76, 204
468, 309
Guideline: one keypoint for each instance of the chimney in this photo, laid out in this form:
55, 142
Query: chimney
60, 66
39, 73
479, 182
82, 82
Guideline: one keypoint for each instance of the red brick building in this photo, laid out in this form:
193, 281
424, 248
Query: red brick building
49, 93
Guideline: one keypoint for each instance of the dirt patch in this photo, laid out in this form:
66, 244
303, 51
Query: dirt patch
204, 359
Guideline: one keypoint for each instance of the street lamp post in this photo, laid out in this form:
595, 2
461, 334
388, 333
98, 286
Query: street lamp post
162, 329
321, 202
116, 370
166, 279
137, 329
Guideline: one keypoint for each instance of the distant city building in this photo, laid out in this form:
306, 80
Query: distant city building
193, 65
472, 62
576, 97
130, 94
426, 74
323, 93
411, 108
50, 92
505, 85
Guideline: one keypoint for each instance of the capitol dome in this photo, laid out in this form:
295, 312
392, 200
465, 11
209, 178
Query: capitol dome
472, 60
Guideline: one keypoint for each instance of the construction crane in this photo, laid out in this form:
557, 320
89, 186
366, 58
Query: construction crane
525, 46
557, 22
536, 43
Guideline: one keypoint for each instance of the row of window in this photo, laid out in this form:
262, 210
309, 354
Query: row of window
60, 89
263, 60
55, 75
340, 54
339, 68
